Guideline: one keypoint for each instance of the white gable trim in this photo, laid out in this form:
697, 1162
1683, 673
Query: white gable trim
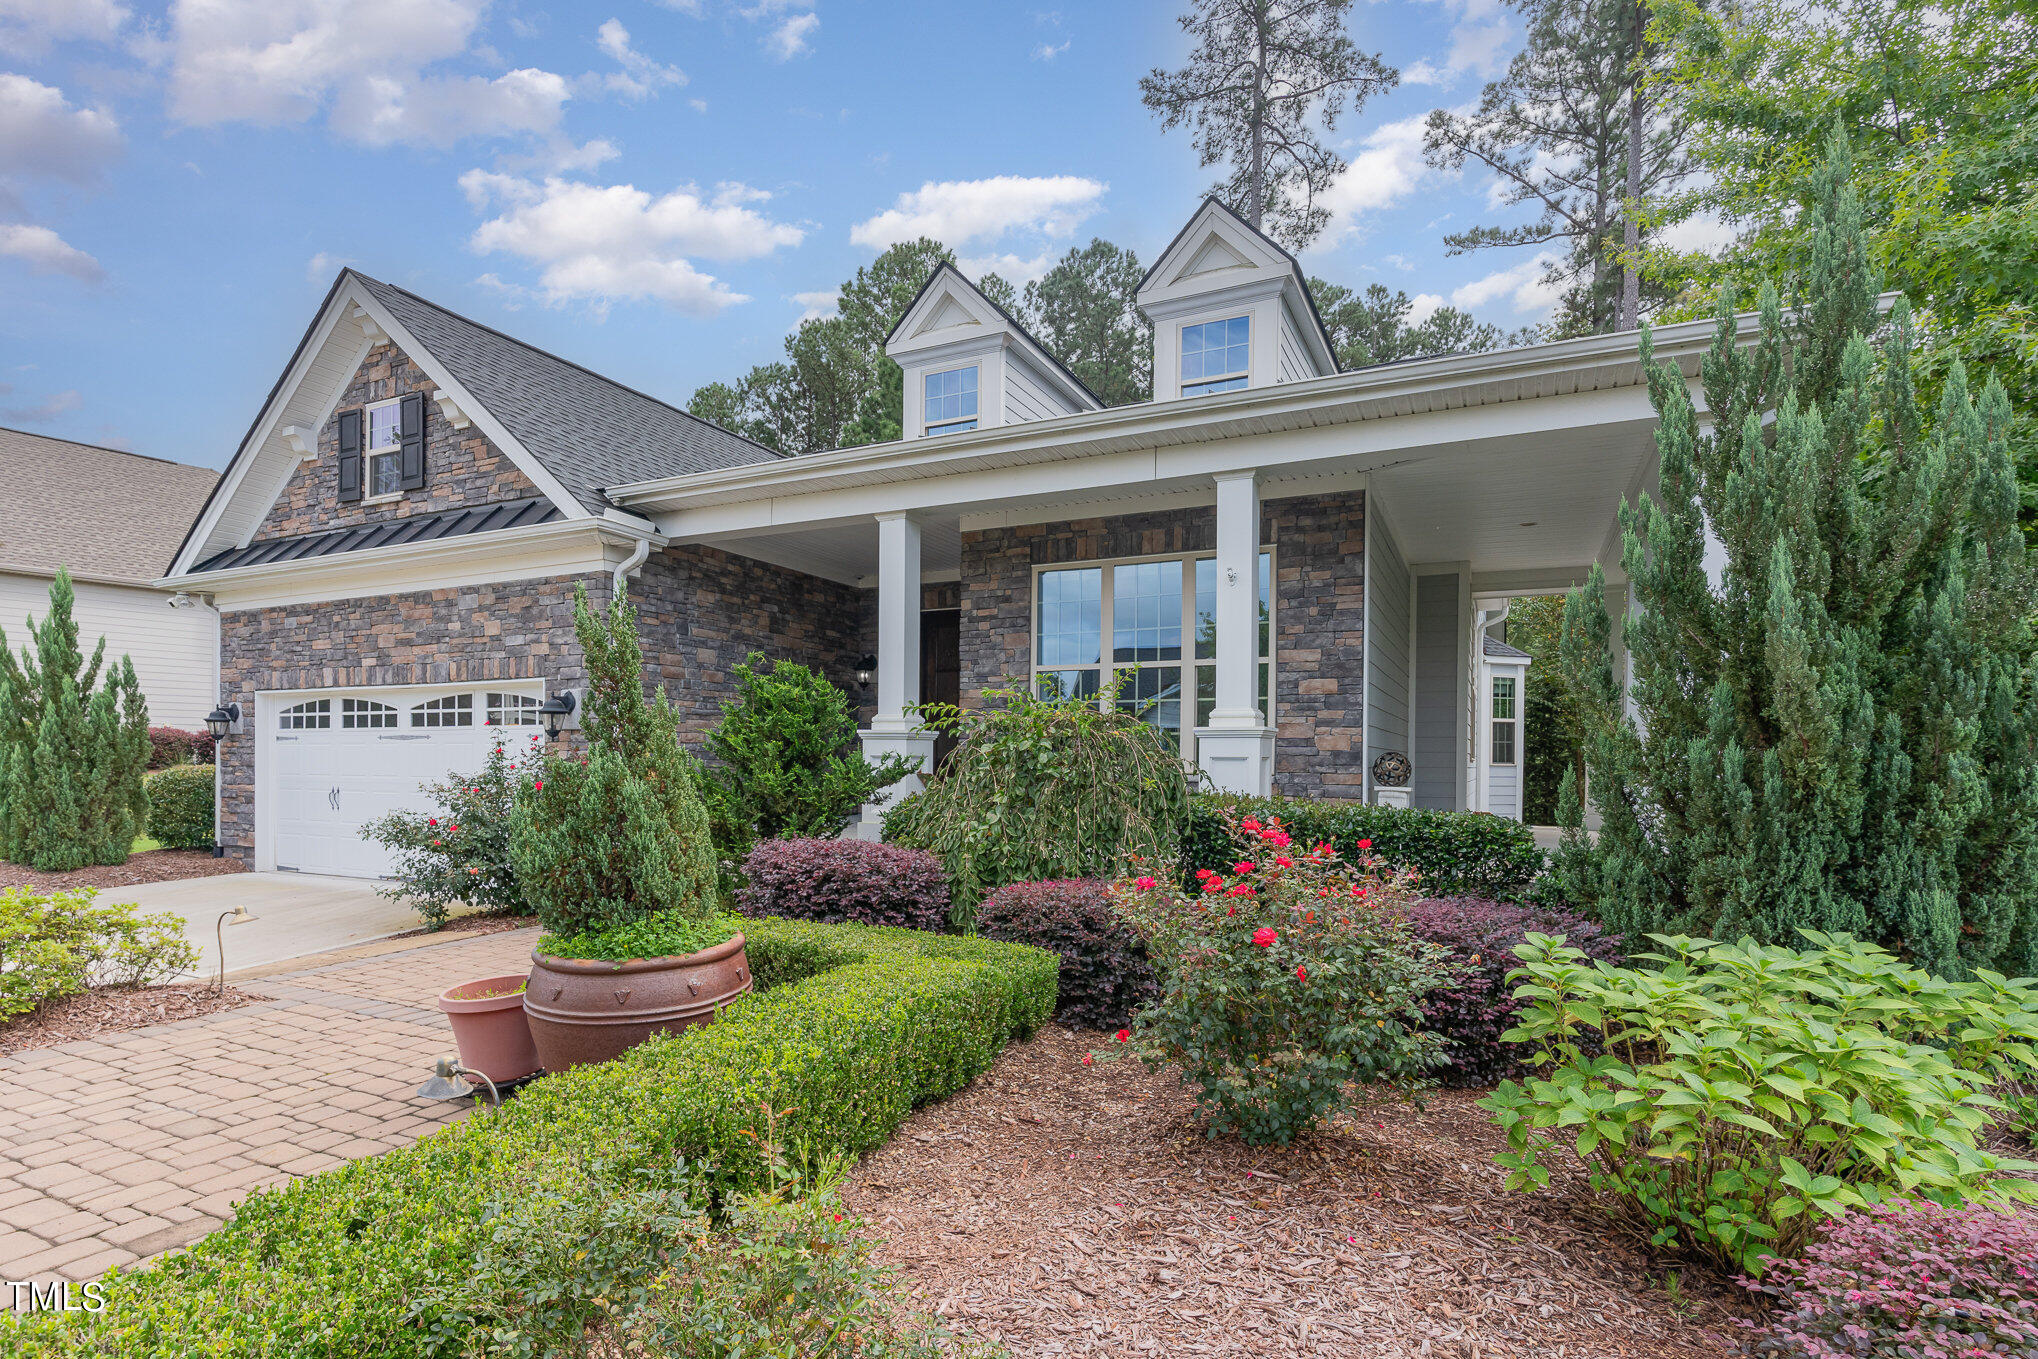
352, 312
927, 336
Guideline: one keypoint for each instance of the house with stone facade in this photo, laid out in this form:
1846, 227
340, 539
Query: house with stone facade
1290, 571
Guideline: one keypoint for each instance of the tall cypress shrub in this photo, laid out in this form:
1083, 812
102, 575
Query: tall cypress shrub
621, 833
72, 748
1841, 735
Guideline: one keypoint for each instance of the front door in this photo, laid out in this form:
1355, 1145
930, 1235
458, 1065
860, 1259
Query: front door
941, 667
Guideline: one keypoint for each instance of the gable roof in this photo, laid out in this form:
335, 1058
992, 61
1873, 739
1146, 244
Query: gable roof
1497, 650
587, 430
1212, 201
102, 514
1034, 346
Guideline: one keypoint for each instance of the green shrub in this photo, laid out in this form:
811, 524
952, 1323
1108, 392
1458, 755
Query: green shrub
1472, 854
59, 944
1745, 1090
619, 833
665, 935
786, 761
459, 852
853, 1027
74, 743
180, 806
1040, 788
1284, 979
1106, 977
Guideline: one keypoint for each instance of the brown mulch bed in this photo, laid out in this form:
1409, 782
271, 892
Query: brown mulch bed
108, 1010
1068, 1210
155, 865
473, 924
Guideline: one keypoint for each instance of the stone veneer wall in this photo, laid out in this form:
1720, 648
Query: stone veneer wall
1319, 616
461, 466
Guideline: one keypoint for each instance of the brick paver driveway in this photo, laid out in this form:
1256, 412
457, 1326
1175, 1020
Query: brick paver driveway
112, 1151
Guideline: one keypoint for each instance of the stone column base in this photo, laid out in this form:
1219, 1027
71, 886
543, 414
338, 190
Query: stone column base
914, 745
1237, 759
1394, 797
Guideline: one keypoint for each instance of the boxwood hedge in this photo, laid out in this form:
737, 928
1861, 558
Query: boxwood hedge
851, 1028
1457, 853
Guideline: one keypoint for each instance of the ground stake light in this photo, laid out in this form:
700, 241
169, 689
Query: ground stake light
449, 1081
239, 915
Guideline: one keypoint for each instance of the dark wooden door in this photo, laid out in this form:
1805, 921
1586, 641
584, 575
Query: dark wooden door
941, 667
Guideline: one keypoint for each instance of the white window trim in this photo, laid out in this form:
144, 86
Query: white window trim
369, 452
1493, 721
1107, 668
1182, 387
951, 426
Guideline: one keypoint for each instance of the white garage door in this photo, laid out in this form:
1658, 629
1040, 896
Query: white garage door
337, 761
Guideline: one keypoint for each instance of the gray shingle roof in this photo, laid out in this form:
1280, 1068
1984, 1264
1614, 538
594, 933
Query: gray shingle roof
588, 431
1501, 651
100, 513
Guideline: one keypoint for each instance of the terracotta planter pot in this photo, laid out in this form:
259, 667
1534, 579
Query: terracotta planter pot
489, 1027
589, 1010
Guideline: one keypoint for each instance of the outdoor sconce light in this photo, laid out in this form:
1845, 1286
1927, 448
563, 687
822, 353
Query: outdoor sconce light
866, 670
449, 1081
222, 720
555, 711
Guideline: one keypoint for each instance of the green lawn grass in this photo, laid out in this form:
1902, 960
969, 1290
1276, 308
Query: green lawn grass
142, 845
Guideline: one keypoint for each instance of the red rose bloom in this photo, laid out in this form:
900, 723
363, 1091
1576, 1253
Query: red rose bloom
1302, 974
1124, 1035
1365, 844
1264, 937
1244, 866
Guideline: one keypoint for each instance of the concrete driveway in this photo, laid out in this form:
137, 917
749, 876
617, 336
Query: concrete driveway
295, 914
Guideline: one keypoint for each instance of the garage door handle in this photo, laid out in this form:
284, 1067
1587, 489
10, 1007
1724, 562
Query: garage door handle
333, 798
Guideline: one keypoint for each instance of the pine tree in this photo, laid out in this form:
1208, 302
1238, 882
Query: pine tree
1843, 735
621, 834
72, 751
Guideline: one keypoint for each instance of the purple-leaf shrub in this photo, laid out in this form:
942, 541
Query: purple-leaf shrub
1105, 975
172, 746
845, 882
1479, 1006
1910, 1279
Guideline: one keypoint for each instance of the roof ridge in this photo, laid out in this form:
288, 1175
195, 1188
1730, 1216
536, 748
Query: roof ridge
556, 358
105, 448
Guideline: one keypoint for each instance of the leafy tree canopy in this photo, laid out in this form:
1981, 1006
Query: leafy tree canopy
1373, 327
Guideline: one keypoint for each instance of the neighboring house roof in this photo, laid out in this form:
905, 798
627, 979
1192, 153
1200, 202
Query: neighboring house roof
588, 431
415, 528
1497, 650
100, 513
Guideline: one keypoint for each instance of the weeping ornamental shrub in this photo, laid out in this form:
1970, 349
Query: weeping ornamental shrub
785, 759
617, 834
1843, 735
74, 743
1041, 788
1731, 1096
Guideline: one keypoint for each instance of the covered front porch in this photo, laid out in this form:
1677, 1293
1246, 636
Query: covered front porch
1290, 583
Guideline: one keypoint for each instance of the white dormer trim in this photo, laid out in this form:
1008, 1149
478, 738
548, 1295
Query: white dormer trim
1218, 267
951, 324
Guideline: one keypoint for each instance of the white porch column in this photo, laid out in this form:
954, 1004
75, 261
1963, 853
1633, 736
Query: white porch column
894, 730
1237, 749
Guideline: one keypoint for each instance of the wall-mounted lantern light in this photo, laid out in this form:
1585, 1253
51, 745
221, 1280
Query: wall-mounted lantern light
555, 712
866, 670
222, 720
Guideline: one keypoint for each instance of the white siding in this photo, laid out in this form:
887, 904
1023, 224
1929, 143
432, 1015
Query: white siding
1386, 642
1026, 396
174, 650
1503, 791
1291, 361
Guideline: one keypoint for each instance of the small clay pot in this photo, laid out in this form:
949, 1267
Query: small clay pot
488, 1025
589, 1010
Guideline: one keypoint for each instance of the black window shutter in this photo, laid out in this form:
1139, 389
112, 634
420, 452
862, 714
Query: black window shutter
350, 455
413, 437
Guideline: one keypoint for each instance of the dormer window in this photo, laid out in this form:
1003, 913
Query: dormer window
385, 449
951, 401
1214, 356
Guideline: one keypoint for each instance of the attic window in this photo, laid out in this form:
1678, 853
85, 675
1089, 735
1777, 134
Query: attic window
951, 401
1214, 356
385, 448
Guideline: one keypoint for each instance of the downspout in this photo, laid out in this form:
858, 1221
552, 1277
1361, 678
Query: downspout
184, 600
1482, 732
629, 566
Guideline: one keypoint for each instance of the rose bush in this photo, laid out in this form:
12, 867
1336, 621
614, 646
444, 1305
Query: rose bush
458, 853
1283, 981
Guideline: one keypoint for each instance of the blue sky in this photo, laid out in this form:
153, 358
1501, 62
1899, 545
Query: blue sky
658, 191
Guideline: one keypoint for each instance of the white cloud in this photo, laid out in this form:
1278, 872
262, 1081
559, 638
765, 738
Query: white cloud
1424, 72
42, 133
789, 39
691, 8
606, 243
1423, 306
698, 105
1704, 232
30, 26
1525, 286
322, 266
1401, 262
816, 306
1010, 267
1048, 51
1480, 38
284, 61
640, 76
956, 212
45, 252
58, 403
1387, 169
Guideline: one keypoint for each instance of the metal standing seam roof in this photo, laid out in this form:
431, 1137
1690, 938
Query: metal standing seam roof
587, 430
413, 528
